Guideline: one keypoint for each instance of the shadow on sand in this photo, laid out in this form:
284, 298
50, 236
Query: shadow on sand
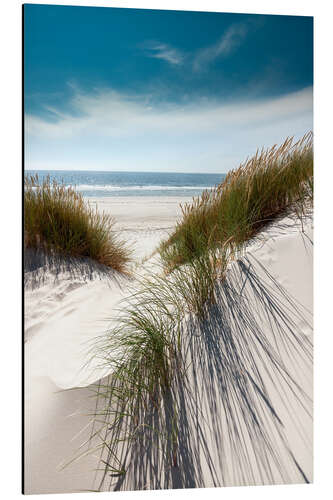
242, 415
39, 266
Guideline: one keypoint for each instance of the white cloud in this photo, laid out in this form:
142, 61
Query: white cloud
228, 42
109, 130
199, 60
163, 51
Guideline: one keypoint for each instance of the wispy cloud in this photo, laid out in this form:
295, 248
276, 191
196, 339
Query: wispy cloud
164, 51
108, 130
229, 41
199, 60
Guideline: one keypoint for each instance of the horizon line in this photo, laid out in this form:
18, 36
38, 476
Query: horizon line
122, 171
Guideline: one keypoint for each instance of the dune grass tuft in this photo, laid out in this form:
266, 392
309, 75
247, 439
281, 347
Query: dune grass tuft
268, 185
57, 219
144, 351
143, 354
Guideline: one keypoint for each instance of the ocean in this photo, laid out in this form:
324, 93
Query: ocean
102, 184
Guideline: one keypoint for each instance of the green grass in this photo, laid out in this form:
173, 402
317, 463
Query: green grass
144, 351
272, 183
57, 219
144, 354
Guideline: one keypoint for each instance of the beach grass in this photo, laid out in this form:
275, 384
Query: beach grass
143, 352
271, 184
58, 220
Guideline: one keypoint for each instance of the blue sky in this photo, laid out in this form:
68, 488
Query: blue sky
152, 90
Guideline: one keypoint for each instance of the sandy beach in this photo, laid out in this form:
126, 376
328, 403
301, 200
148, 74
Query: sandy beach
142, 221
267, 294
64, 311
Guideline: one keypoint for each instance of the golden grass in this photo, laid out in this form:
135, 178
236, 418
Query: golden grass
57, 219
144, 351
272, 183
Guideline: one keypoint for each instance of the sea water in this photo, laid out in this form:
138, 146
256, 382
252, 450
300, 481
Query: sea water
101, 184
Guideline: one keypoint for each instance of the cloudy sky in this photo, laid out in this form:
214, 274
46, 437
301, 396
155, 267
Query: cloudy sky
145, 90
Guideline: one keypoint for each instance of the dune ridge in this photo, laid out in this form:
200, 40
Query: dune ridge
63, 316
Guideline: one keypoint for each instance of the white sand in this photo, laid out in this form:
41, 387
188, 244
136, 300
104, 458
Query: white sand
65, 314
142, 221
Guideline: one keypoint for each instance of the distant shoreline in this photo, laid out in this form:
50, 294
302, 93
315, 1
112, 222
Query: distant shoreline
135, 184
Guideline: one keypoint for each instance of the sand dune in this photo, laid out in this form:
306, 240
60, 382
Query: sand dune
269, 291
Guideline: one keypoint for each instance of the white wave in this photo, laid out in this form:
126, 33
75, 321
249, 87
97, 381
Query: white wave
110, 187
